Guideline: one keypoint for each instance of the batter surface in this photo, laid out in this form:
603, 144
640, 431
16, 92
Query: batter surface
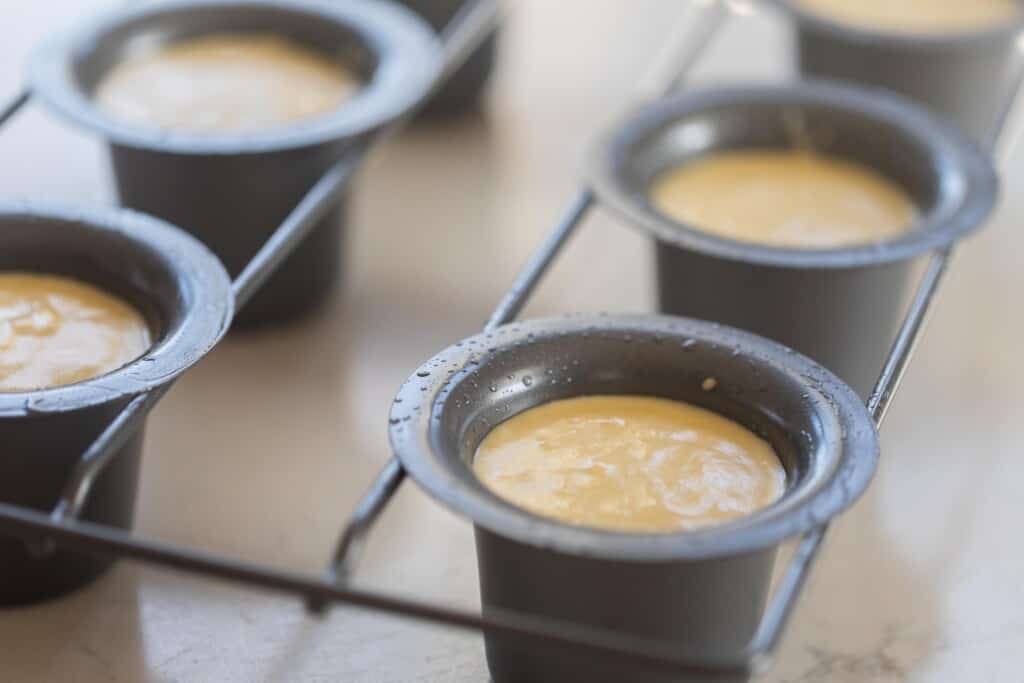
629, 463
917, 16
784, 198
225, 83
56, 330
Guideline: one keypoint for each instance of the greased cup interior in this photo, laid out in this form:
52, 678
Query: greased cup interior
395, 53
184, 294
233, 189
949, 179
700, 591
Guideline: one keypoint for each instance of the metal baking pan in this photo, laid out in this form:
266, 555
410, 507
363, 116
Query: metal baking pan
959, 75
703, 591
231, 191
464, 89
185, 294
838, 306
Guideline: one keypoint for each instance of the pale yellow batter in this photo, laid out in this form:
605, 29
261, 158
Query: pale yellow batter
917, 16
225, 83
630, 463
784, 198
56, 331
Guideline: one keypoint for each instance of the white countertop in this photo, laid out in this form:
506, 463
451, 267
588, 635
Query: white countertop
263, 450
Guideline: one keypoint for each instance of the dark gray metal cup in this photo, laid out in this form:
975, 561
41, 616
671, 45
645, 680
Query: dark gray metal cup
185, 294
700, 592
233, 190
959, 75
840, 306
464, 89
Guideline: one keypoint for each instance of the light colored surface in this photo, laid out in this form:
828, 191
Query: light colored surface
263, 449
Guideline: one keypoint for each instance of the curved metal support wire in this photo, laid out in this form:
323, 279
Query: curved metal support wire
13, 105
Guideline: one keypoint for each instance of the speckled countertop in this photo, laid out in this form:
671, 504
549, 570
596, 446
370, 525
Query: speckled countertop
264, 448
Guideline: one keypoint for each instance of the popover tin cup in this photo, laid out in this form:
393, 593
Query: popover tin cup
184, 294
959, 74
233, 189
840, 306
699, 591
464, 89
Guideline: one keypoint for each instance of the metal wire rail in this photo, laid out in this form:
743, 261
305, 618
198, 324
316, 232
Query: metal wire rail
44, 532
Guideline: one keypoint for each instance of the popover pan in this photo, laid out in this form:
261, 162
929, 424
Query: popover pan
960, 74
233, 190
185, 295
839, 306
701, 591
464, 90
